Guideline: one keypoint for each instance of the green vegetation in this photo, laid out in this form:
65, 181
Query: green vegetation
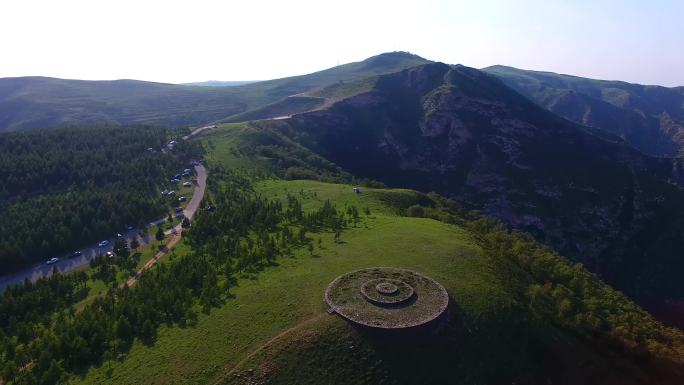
243, 233
37, 102
316, 98
61, 189
648, 117
240, 301
266, 302
431, 128
341, 90
385, 297
248, 295
284, 107
255, 147
493, 322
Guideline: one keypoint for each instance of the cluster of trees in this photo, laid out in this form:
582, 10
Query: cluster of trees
63, 188
105, 268
244, 231
66, 341
564, 293
292, 160
45, 339
572, 297
33, 303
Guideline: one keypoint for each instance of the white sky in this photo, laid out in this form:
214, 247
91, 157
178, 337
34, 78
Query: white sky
192, 40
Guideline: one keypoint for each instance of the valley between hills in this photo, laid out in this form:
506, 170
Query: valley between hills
553, 225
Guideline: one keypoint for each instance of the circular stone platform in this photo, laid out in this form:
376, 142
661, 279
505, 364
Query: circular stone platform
386, 297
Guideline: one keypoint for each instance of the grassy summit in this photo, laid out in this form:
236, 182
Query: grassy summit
522, 314
39, 102
386, 297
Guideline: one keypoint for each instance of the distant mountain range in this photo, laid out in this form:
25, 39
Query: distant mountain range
586, 166
651, 118
220, 83
464, 133
39, 102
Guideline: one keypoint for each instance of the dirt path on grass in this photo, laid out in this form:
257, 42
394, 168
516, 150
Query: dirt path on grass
174, 240
177, 231
266, 344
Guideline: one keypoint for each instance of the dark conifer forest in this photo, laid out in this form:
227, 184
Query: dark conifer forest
62, 189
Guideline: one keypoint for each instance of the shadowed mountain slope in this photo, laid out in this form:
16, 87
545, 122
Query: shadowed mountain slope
35, 102
463, 133
651, 118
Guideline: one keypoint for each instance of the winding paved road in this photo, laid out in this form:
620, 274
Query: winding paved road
67, 264
189, 211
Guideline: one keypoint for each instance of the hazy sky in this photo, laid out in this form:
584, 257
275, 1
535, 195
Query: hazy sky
181, 41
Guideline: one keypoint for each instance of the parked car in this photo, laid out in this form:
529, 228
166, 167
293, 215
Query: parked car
181, 199
187, 171
187, 184
75, 254
52, 260
179, 209
104, 243
109, 254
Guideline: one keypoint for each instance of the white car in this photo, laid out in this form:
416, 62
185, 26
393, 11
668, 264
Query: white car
52, 260
103, 244
109, 254
187, 184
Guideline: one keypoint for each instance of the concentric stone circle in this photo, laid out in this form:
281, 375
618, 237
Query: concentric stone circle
384, 291
386, 298
386, 288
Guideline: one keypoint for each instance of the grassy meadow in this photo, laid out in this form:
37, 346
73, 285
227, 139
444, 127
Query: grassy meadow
274, 326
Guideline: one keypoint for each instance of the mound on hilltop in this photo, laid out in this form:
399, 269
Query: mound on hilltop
387, 298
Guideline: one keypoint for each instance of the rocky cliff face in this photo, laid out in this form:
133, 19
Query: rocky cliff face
650, 118
463, 133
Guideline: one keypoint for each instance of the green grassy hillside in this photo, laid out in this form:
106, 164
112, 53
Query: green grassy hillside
651, 118
280, 109
463, 133
278, 298
274, 328
38, 102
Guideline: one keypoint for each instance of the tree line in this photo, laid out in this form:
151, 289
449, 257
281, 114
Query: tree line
45, 339
63, 188
564, 293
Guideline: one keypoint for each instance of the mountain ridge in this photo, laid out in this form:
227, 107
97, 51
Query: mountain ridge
650, 117
41, 102
464, 133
